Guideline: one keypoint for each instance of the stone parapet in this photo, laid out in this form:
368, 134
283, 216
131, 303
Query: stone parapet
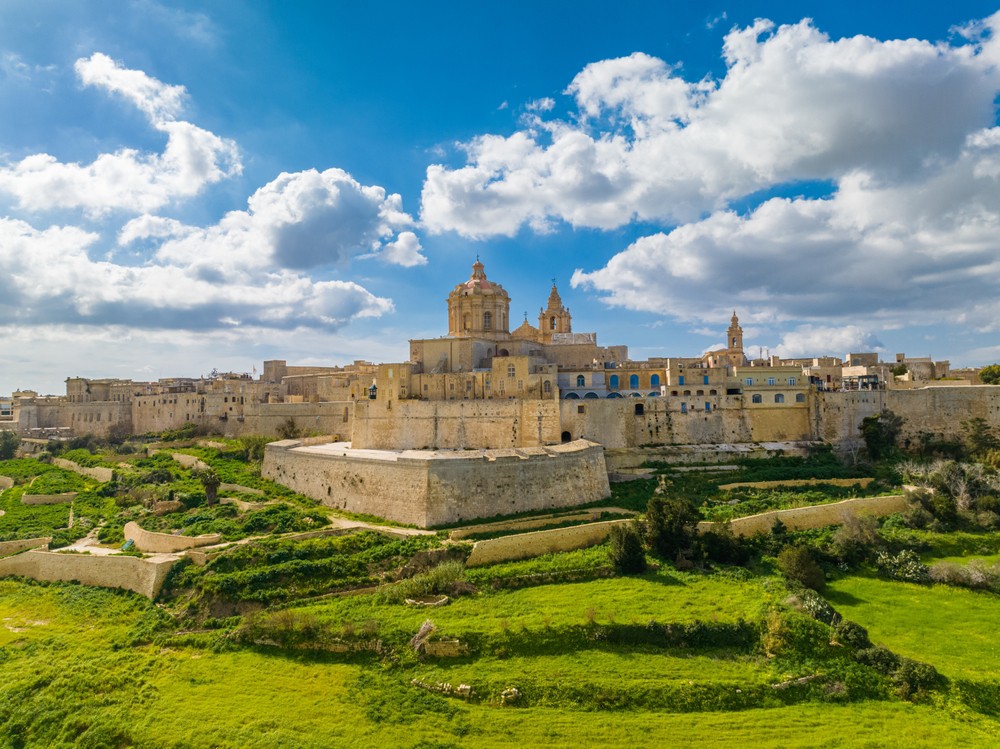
13, 547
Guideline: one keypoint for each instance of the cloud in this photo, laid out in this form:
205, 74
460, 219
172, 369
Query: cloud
812, 340
913, 253
298, 221
51, 280
794, 105
128, 179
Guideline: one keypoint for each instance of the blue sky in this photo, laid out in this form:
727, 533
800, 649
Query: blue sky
189, 186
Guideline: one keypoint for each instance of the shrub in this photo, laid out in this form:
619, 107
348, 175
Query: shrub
9, 443
851, 635
627, 555
797, 563
881, 659
856, 538
914, 679
722, 546
438, 580
905, 566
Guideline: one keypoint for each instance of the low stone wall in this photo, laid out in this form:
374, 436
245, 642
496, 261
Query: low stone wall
814, 516
13, 547
48, 499
166, 543
621, 459
536, 522
190, 462
99, 473
6, 482
527, 545
863, 483
241, 489
143, 576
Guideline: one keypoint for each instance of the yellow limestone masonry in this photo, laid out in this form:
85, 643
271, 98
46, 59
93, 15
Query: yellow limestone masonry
436, 487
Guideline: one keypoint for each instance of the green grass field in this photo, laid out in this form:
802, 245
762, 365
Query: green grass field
71, 678
953, 629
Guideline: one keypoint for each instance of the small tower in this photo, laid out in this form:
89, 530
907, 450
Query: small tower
478, 308
734, 343
555, 318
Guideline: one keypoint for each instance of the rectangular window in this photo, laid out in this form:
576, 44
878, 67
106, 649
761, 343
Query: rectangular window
708, 407
684, 408
770, 381
680, 380
791, 380
704, 380
748, 381
581, 409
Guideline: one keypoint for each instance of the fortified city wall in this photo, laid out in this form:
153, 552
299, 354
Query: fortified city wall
464, 424
428, 488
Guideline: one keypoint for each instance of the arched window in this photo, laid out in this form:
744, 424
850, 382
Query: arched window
552, 323
547, 387
633, 381
687, 392
466, 321
591, 395
757, 398
800, 397
572, 396
487, 321
613, 382
700, 392
654, 380
581, 381
779, 398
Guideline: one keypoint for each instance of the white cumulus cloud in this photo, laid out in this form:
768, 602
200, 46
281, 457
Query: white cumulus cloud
127, 179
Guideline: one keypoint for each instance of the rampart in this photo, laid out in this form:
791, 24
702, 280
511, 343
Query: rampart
143, 576
430, 488
458, 425
166, 543
97, 472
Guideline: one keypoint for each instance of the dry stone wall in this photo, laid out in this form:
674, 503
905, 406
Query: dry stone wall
526, 545
814, 516
13, 547
166, 543
143, 576
97, 472
48, 499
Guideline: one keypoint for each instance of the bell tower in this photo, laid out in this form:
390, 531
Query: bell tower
734, 343
555, 318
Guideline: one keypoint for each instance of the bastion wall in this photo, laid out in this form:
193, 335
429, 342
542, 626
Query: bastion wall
431, 488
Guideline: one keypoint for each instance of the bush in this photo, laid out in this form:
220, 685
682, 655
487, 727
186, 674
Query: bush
9, 443
443, 579
881, 659
722, 546
851, 635
914, 679
797, 563
627, 555
856, 539
905, 566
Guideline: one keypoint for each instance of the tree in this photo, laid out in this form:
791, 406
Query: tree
8, 444
797, 563
979, 436
990, 375
289, 430
211, 481
627, 554
880, 433
669, 525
